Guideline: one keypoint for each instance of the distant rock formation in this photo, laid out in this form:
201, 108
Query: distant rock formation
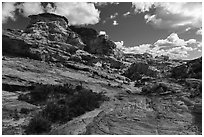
162, 57
192, 69
139, 68
95, 43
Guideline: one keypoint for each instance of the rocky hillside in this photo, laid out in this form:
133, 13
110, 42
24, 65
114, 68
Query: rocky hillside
192, 69
61, 79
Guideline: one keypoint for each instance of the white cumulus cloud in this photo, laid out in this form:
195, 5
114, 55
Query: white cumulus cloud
8, 11
180, 15
171, 15
30, 8
119, 44
138, 49
172, 40
102, 4
142, 6
172, 46
78, 13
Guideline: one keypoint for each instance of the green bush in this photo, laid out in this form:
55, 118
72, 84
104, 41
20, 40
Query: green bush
38, 125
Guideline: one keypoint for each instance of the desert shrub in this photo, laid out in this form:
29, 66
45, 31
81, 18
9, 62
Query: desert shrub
146, 89
56, 112
24, 111
41, 93
87, 100
79, 87
61, 104
24, 97
67, 107
38, 125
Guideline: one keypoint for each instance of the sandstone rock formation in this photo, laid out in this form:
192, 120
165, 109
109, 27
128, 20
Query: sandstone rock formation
48, 37
95, 43
50, 27
192, 69
36, 49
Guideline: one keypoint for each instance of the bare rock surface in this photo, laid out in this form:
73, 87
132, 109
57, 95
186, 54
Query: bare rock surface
127, 112
133, 114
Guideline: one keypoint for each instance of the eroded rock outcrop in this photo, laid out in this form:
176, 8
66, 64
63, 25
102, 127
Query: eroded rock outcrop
192, 69
95, 43
48, 37
20, 46
50, 27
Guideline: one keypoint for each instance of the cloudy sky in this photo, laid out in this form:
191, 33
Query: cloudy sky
173, 29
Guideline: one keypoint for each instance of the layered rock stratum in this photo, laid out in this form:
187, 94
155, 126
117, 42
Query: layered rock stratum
146, 95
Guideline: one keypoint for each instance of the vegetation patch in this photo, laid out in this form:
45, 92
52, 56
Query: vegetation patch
38, 125
60, 103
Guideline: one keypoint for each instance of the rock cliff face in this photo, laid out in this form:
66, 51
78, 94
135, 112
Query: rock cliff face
50, 27
48, 37
36, 49
95, 44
